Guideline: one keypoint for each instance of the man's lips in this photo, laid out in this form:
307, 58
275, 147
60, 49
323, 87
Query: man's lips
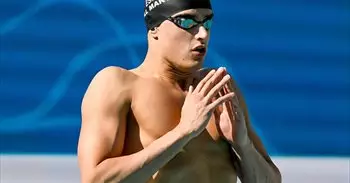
201, 49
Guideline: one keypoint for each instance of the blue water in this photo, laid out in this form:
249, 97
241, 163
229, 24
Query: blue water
291, 60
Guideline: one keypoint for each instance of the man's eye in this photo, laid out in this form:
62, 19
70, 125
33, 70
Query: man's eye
187, 23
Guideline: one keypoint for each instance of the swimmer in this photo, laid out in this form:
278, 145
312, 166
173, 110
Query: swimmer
169, 120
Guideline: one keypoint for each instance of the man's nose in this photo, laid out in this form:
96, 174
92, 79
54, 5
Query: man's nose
202, 33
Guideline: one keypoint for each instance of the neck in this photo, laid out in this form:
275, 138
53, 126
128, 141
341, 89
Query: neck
157, 66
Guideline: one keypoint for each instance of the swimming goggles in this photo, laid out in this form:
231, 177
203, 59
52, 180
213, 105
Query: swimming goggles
188, 22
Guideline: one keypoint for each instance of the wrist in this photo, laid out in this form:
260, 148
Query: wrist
241, 148
182, 133
240, 142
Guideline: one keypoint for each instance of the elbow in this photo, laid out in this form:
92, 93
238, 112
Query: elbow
278, 176
114, 170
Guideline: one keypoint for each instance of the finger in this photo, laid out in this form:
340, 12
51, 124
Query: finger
228, 109
229, 104
190, 89
220, 100
230, 85
203, 81
213, 92
222, 92
226, 106
226, 88
189, 82
220, 108
212, 81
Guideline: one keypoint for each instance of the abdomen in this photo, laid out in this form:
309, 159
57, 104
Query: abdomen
202, 166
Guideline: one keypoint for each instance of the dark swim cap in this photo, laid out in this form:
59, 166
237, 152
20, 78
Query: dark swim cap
157, 11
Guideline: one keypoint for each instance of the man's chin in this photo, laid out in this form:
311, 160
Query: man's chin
191, 65
198, 61
196, 64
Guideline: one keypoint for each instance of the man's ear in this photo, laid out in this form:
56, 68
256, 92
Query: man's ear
154, 33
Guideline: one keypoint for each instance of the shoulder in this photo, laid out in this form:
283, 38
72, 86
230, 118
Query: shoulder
113, 74
110, 83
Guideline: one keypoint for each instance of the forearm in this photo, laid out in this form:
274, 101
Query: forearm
140, 167
254, 168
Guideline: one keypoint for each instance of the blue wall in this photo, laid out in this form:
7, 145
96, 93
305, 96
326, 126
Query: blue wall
291, 60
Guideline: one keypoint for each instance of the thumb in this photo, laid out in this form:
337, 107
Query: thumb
189, 82
190, 90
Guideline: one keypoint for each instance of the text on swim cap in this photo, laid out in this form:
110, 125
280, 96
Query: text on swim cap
152, 5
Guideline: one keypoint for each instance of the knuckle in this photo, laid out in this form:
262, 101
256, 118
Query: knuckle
200, 95
205, 100
199, 104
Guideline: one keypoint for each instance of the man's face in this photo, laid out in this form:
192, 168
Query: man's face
185, 48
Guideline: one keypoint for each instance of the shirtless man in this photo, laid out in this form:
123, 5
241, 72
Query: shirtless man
169, 120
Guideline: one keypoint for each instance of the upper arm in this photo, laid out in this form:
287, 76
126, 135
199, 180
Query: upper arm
103, 111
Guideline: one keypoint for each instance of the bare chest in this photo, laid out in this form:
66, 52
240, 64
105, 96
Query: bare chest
156, 110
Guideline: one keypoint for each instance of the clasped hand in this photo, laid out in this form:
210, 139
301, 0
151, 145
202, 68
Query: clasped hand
230, 119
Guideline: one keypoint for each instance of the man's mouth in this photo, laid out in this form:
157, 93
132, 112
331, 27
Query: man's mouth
200, 49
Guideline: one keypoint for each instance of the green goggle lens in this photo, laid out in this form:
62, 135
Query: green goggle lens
188, 23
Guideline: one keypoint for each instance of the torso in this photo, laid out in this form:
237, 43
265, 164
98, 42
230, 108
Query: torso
155, 110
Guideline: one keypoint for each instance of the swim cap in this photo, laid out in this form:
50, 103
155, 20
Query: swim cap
157, 11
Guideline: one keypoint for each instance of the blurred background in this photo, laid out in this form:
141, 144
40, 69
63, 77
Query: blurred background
291, 59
